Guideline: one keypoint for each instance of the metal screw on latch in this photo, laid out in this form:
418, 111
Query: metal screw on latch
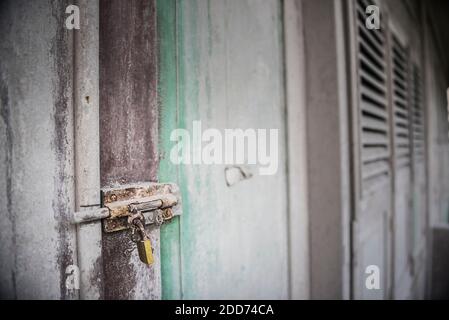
167, 214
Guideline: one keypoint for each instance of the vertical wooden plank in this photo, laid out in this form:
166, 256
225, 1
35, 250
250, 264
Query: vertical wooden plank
401, 174
324, 151
343, 66
62, 145
391, 240
87, 148
354, 137
37, 241
128, 91
128, 132
297, 149
168, 108
427, 148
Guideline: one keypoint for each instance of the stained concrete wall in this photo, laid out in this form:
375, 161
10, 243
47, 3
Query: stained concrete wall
36, 159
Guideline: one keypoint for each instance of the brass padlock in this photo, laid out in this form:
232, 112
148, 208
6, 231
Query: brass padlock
145, 250
137, 223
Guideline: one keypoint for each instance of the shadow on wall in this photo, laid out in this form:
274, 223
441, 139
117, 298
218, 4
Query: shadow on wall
440, 262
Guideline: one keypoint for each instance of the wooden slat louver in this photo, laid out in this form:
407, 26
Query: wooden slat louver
417, 115
400, 95
373, 102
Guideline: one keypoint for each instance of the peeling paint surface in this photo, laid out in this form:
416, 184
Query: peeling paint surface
63, 204
128, 134
229, 75
36, 111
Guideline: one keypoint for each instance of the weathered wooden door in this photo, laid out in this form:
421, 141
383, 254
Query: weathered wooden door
103, 118
401, 141
36, 151
385, 112
128, 135
221, 62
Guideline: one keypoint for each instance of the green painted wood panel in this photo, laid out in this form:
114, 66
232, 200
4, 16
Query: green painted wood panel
221, 62
168, 104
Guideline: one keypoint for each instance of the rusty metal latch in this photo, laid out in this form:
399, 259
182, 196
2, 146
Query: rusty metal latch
157, 202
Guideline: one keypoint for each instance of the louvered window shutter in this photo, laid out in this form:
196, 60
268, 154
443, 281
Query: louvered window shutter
417, 139
373, 102
402, 113
417, 115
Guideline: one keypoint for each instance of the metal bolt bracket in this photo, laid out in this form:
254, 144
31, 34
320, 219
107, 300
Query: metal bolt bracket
158, 202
